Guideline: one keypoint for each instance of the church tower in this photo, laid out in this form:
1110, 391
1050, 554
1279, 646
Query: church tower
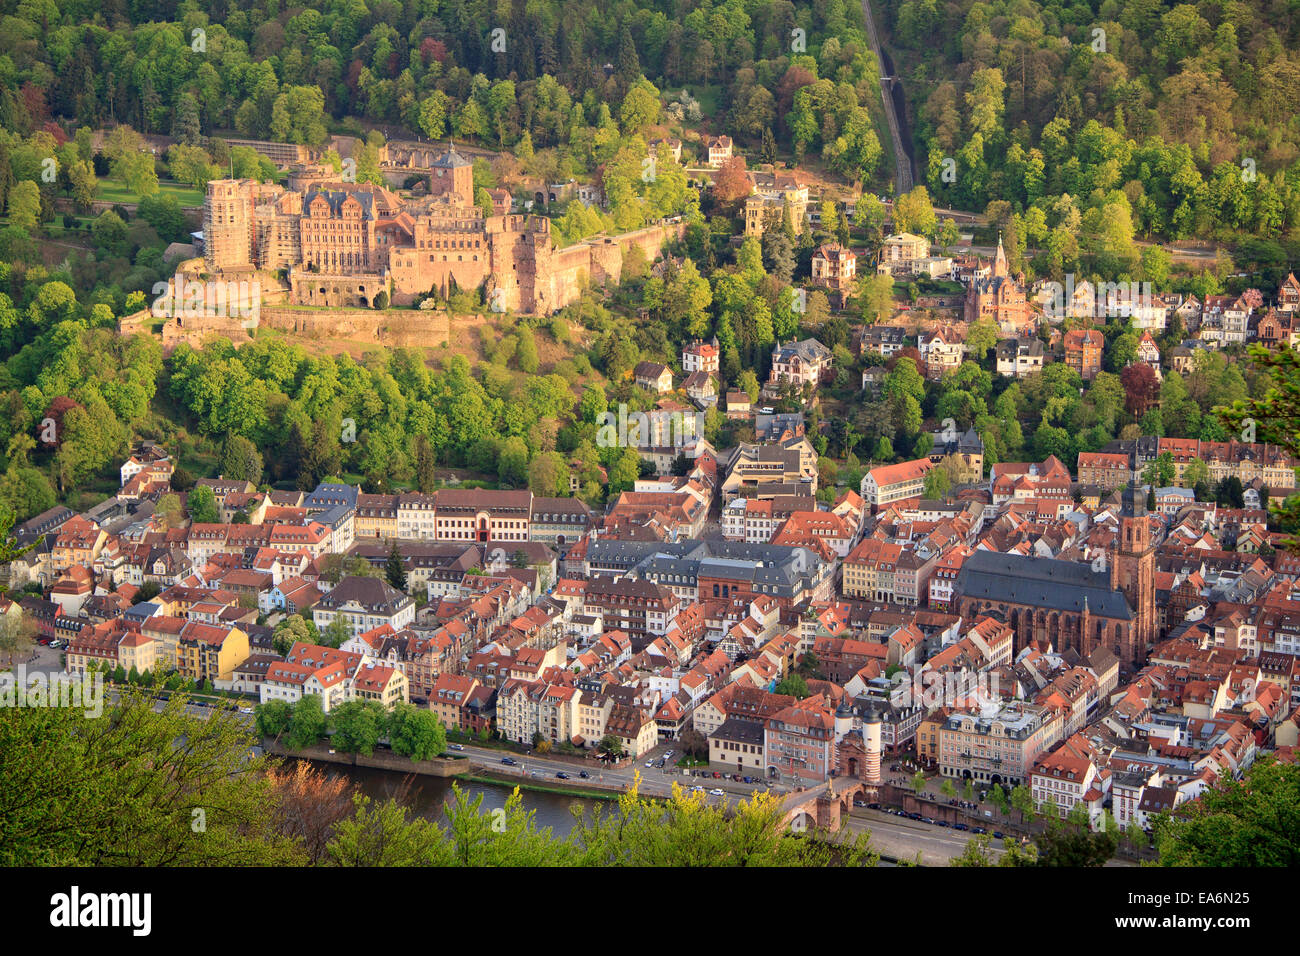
1133, 571
1000, 261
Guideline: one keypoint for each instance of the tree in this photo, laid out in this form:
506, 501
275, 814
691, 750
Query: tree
947, 789
356, 726
240, 460
937, 484
416, 733
914, 213
731, 182
610, 745
309, 804
202, 505
918, 782
1272, 417
1070, 843
25, 205
1141, 388
1022, 799
794, 686
980, 337
875, 296
308, 723
394, 569
138, 778
292, 630
1253, 822
272, 718
336, 632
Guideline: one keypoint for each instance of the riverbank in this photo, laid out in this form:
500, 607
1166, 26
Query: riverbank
584, 791
443, 767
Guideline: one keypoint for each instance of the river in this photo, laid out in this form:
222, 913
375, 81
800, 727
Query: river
426, 795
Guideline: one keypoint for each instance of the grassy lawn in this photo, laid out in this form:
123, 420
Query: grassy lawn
112, 191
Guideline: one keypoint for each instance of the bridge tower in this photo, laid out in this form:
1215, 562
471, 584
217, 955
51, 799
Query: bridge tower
872, 735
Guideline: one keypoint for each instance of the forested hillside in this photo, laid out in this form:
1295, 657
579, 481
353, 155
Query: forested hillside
1152, 119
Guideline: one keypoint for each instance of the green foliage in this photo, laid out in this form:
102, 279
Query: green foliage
1238, 823
129, 788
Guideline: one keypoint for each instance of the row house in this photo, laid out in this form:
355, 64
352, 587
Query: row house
643, 610
1072, 775
997, 748
756, 520
364, 603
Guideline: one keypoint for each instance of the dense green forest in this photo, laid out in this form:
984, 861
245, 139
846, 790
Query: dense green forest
1133, 118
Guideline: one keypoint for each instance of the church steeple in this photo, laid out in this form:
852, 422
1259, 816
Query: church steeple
1000, 261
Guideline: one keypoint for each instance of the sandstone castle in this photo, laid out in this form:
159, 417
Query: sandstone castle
342, 244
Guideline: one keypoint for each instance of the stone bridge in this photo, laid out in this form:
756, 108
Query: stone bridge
824, 807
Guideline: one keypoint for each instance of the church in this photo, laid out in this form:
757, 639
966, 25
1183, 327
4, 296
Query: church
1064, 605
999, 297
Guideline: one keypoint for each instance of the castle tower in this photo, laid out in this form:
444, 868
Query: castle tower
452, 174
1000, 261
1133, 571
228, 224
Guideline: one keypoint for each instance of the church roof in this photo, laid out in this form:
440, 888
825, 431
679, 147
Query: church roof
1040, 582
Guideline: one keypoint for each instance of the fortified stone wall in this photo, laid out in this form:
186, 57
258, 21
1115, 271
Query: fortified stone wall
391, 328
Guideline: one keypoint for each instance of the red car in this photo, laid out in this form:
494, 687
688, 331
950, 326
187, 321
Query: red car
716, 775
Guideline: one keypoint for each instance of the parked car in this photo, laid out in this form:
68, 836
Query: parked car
747, 779
649, 764
669, 754
978, 830
997, 834
245, 710
716, 775
960, 826
873, 806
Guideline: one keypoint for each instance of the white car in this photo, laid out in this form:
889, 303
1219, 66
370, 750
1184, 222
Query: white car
245, 710
716, 792
649, 763
697, 789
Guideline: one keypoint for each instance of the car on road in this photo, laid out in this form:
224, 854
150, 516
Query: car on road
697, 789
716, 792
456, 746
997, 834
510, 761
584, 775
561, 775
978, 830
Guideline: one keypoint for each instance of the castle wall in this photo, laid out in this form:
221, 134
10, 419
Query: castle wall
391, 328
